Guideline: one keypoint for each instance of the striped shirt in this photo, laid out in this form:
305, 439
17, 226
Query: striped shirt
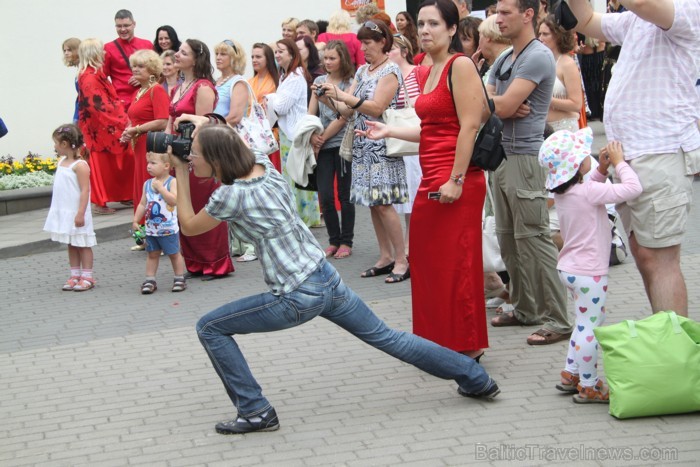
412, 89
651, 105
262, 211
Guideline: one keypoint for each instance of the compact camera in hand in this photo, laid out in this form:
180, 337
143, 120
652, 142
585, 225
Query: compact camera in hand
158, 141
320, 92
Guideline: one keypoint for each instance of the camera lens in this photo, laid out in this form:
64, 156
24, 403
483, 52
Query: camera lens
158, 141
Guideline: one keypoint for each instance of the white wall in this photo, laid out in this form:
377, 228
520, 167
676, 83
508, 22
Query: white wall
36, 89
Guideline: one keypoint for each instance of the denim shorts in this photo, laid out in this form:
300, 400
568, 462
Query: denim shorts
169, 245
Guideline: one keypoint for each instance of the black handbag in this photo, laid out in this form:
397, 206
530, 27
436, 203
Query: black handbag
488, 151
564, 17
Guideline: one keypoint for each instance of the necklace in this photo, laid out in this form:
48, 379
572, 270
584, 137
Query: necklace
370, 69
223, 79
183, 93
142, 91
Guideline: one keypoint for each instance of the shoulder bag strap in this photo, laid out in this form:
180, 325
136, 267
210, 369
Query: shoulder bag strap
492, 107
121, 51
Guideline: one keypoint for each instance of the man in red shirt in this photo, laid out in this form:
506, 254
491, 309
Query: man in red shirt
117, 54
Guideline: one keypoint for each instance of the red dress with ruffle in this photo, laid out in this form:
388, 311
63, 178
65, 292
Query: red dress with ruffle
207, 253
447, 277
154, 104
102, 119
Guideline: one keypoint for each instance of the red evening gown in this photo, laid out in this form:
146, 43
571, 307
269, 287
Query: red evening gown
207, 253
447, 277
102, 119
154, 104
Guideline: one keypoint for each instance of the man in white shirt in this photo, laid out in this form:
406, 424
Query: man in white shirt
652, 107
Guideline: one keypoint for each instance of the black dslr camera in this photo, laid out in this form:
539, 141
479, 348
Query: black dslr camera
158, 141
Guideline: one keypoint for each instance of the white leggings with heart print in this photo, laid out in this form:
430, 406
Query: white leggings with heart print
589, 293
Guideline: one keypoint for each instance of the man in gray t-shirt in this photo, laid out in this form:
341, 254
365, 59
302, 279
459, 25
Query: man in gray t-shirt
535, 63
521, 86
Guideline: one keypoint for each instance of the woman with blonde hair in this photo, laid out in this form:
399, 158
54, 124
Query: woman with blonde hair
492, 44
402, 54
102, 120
70, 58
339, 30
147, 112
234, 100
169, 78
233, 94
289, 28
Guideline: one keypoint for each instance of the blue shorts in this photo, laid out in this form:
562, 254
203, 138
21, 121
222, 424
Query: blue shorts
169, 244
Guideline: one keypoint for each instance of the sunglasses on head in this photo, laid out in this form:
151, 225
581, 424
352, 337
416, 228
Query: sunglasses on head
231, 44
372, 26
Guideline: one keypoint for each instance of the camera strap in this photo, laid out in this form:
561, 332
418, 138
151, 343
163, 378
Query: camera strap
121, 51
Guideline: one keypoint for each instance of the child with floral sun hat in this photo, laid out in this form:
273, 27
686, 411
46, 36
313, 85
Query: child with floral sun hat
583, 261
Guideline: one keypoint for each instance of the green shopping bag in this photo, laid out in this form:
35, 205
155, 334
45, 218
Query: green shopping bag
652, 365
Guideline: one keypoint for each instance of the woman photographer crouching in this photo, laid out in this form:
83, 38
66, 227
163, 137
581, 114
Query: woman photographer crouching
258, 203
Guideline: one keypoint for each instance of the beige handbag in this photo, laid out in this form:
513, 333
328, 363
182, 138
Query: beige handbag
401, 118
346, 144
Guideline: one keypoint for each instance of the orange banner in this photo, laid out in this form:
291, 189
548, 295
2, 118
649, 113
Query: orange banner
351, 6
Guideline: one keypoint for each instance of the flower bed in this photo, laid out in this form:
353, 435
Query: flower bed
32, 171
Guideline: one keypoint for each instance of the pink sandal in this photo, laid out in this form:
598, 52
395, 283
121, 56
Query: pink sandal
71, 283
343, 252
84, 284
331, 250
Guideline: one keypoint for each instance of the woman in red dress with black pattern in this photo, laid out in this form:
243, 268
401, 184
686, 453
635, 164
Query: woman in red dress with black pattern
206, 255
102, 119
447, 280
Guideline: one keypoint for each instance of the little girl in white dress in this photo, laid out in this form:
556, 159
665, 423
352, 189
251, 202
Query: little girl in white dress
69, 220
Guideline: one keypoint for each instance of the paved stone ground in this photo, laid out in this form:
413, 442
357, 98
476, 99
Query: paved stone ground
111, 377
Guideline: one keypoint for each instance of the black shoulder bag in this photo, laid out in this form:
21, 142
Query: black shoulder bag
488, 152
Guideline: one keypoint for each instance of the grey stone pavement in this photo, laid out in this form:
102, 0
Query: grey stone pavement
111, 377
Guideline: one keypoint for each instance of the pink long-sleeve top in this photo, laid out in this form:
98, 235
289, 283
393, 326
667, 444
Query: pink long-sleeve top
583, 220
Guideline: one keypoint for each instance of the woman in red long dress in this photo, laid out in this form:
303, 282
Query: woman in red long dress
148, 112
206, 255
447, 284
102, 120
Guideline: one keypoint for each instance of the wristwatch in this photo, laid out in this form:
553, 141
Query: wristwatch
458, 179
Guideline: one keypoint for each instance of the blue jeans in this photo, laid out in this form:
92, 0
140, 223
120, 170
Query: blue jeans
324, 294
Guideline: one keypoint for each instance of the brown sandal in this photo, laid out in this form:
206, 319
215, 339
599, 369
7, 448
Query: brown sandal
598, 394
548, 337
506, 319
569, 382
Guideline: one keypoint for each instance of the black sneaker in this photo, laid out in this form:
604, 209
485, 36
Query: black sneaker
240, 425
489, 394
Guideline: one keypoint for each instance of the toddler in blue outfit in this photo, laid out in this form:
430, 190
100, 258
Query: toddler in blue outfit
158, 205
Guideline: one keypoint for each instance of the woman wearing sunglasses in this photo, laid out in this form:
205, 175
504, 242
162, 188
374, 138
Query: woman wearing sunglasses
447, 283
378, 181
